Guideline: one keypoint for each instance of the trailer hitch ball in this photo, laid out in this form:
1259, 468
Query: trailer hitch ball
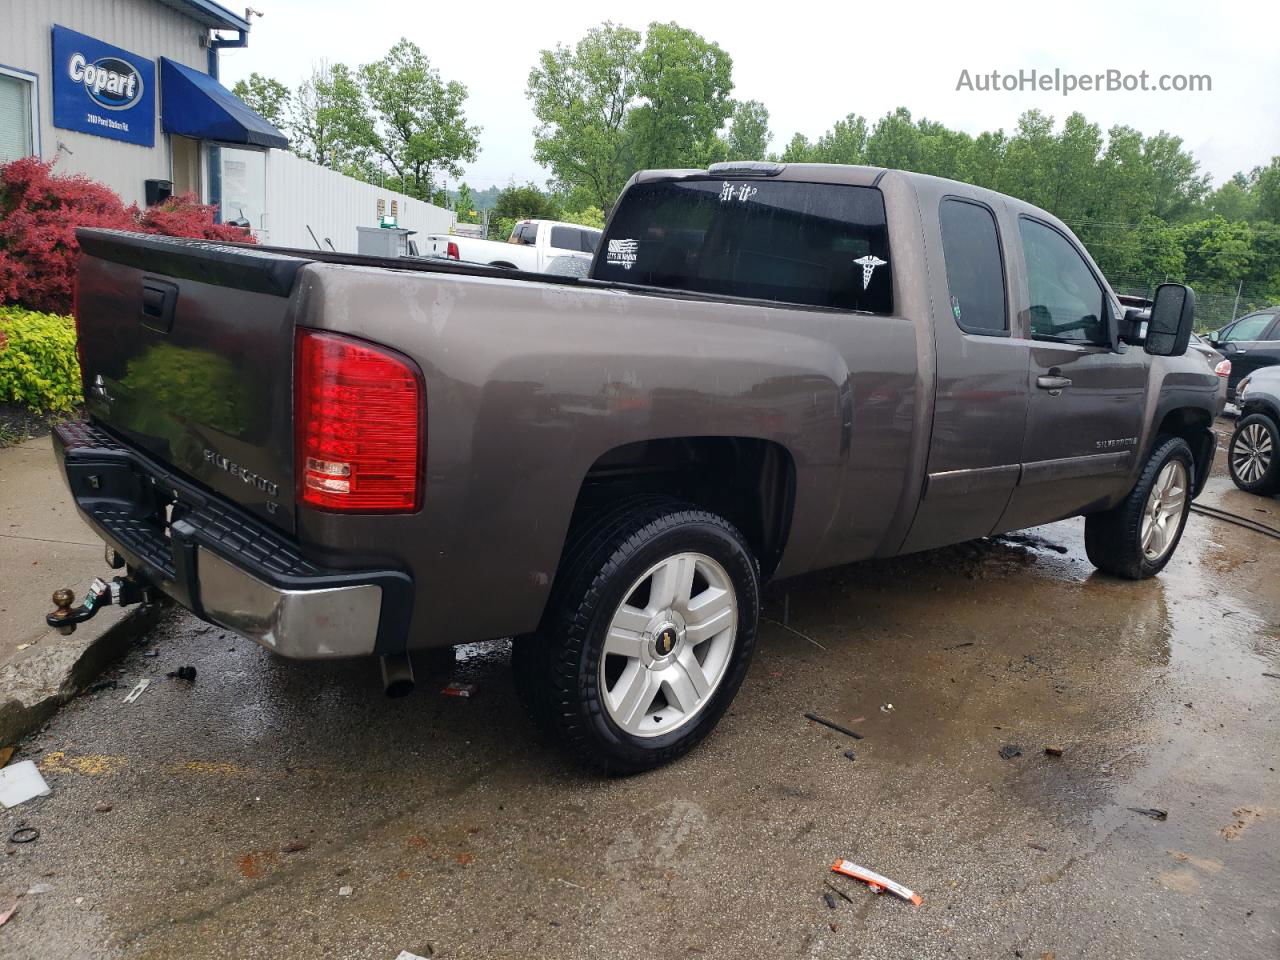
63, 599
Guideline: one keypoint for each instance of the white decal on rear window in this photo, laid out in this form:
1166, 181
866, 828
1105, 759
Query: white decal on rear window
869, 264
622, 253
741, 193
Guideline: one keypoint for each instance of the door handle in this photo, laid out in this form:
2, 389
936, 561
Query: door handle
1053, 382
1238, 350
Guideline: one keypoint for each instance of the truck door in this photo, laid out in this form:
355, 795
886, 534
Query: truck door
1086, 401
981, 391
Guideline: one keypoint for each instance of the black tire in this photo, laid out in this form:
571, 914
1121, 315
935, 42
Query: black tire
1113, 539
1258, 425
558, 670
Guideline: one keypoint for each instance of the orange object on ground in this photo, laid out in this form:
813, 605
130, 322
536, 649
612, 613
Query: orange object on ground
875, 880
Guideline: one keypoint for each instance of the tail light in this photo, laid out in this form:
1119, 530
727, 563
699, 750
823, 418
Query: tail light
451, 251
358, 423
1223, 369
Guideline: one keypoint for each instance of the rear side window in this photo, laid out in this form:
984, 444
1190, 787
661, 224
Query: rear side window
570, 238
975, 271
525, 234
821, 245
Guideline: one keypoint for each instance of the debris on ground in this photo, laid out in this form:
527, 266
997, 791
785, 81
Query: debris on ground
886, 708
6, 754
1151, 812
957, 646
24, 835
136, 692
837, 891
20, 783
875, 881
295, 846
461, 690
1035, 846
406, 955
850, 755
832, 725
6, 914
829, 900
1010, 750
344, 891
184, 673
102, 807
38, 889
1053, 751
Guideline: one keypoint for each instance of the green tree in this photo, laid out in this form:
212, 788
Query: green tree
329, 123
580, 96
749, 134
683, 82
1266, 190
464, 205
588, 217
420, 125
1234, 199
267, 97
525, 203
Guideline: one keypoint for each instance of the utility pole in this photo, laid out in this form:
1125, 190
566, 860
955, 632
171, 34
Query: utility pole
1236, 306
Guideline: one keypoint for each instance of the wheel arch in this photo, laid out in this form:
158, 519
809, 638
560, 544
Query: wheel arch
1194, 425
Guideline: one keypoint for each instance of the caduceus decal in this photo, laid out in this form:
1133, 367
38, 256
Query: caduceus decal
869, 264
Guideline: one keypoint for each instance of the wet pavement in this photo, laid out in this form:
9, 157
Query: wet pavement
284, 810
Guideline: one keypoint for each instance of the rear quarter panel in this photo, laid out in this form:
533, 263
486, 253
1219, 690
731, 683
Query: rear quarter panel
529, 384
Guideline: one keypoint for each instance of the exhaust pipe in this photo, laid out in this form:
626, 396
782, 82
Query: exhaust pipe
397, 674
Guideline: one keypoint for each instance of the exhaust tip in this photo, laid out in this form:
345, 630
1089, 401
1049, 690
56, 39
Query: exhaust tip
397, 675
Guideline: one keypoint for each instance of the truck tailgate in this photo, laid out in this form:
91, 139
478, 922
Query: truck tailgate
187, 354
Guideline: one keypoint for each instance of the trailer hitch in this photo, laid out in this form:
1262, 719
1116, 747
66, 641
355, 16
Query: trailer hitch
121, 591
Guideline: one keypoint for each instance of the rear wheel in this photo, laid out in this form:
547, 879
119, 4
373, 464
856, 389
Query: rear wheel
1136, 538
1254, 455
650, 635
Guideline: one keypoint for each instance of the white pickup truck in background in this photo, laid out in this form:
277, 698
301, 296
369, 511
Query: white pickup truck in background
533, 246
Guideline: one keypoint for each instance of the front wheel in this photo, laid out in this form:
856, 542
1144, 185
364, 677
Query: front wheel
1137, 537
1254, 455
649, 637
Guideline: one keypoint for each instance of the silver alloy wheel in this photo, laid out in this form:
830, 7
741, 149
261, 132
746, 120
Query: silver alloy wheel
669, 645
1251, 452
1163, 512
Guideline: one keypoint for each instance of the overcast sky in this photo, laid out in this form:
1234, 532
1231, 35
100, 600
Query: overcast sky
811, 63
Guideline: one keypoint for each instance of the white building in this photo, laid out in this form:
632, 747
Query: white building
126, 92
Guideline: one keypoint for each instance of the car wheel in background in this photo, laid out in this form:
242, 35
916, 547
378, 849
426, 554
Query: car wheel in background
1252, 456
1137, 537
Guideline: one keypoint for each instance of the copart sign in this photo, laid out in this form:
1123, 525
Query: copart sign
102, 90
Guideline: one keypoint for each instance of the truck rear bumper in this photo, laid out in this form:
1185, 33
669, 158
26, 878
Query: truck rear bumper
224, 565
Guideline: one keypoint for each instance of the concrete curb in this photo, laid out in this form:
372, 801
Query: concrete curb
42, 678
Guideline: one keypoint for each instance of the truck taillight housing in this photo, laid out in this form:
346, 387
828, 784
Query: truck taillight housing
451, 251
1223, 369
359, 426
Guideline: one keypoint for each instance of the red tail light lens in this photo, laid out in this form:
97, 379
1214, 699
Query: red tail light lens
1223, 369
359, 426
451, 251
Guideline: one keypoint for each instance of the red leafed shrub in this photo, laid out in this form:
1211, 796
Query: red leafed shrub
39, 213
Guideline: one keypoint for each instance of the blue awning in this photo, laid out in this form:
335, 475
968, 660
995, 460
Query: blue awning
193, 104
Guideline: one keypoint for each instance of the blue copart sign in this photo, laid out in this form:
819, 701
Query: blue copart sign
103, 90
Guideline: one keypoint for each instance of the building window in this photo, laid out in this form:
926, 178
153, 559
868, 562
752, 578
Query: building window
19, 120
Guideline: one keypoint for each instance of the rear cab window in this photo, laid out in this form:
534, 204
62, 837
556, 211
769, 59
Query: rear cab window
975, 268
574, 239
809, 244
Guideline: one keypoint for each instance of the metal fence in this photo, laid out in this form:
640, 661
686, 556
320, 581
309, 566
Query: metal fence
1216, 304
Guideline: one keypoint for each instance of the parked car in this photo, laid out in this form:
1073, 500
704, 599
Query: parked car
1217, 362
1253, 455
771, 369
532, 247
1250, 343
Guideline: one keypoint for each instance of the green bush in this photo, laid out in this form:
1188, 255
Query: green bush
38, 363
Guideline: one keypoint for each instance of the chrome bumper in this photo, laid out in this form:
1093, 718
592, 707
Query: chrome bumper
333, 622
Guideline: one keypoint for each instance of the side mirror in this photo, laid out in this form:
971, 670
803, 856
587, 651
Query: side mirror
1133, 328
1172, 314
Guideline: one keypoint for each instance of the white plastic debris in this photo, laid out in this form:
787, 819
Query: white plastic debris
19, 782
136, 692
344, 891
38, 888
406, 955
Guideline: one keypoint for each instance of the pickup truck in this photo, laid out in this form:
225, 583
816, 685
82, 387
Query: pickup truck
771, 369
533, 246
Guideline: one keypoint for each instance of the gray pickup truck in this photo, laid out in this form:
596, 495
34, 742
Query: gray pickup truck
770, 369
